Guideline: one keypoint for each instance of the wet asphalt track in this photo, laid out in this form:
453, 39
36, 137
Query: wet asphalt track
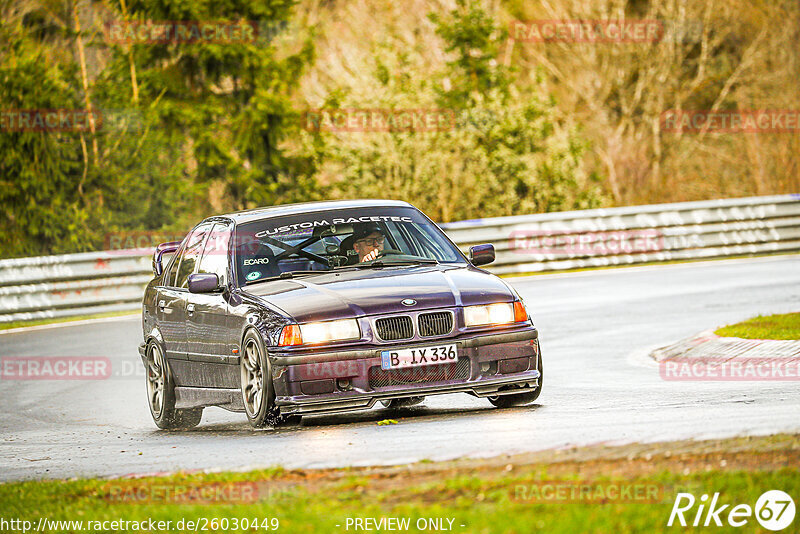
595, 327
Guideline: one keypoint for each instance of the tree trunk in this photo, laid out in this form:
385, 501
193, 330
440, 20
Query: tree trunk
85, 81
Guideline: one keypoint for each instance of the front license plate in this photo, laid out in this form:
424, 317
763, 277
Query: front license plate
399, 359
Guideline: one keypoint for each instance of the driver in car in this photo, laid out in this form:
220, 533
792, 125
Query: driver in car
368, 243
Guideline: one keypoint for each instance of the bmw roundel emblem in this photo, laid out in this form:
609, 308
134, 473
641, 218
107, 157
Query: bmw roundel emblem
408, 302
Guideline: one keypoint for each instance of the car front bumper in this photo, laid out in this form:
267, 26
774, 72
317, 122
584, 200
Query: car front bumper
340, 381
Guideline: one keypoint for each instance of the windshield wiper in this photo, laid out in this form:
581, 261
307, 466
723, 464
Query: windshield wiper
288, 275
392, 263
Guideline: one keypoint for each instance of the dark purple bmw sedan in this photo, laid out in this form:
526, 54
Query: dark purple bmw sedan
329, 307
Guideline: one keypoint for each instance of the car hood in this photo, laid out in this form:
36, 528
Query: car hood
356, 292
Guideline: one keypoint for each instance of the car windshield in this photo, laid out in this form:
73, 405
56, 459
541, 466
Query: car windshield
374, 237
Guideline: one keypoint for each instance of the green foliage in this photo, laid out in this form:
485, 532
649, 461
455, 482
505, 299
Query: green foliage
188, 129
183, 128
45, 207
230, 100
505, 153
475, 39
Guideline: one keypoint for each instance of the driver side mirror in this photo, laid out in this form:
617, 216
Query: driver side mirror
481, 254
203, 283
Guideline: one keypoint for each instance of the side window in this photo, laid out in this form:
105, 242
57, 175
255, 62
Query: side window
169, 278
191, 254
172, 265
215, 254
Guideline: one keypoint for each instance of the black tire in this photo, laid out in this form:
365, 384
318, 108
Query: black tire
393, 404
521, 399
161, 394
258, 394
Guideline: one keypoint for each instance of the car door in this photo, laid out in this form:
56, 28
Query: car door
171, 311
173, 300
208, 317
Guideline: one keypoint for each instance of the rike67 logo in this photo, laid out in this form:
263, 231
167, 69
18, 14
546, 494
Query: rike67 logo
774, 510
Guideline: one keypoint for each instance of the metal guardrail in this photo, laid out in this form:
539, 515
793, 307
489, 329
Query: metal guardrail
636, 234
73, 284
97, 282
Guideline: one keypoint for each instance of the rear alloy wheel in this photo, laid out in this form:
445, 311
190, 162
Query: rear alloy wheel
258, 394
402, 403
520, 399
161, 394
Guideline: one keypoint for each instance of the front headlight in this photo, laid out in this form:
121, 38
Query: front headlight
322, 332
499, 314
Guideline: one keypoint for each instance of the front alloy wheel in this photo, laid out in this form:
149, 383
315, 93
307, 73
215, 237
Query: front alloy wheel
257, 392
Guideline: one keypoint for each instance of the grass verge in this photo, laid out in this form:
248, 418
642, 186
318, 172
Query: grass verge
57, 320
497, 495
783, 326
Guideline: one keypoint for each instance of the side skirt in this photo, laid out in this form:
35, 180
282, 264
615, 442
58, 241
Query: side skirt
230, 399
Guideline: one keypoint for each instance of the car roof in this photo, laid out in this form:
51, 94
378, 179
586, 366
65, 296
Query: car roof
306, 207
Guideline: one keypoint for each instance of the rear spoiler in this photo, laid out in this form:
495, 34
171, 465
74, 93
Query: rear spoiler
163, 248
